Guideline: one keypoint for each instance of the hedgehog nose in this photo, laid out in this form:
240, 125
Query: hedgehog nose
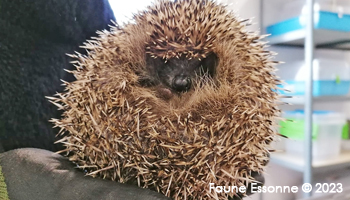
181, 83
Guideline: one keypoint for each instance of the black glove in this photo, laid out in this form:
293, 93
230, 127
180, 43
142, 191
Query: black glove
35, 174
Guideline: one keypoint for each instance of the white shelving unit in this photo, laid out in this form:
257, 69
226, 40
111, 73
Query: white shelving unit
310, 38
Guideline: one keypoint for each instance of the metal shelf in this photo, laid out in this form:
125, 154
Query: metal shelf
300, 100
297, 163
322, 39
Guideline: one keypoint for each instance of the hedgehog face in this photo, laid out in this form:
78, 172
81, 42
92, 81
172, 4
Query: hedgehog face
179, 74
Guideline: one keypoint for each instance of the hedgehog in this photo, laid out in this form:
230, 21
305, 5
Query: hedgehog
130, 118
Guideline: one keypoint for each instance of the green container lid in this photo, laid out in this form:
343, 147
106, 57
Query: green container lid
294, 125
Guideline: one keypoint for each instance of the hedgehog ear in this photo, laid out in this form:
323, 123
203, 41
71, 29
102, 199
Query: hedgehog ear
209, 64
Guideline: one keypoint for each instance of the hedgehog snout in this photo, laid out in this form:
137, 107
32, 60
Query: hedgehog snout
181, 83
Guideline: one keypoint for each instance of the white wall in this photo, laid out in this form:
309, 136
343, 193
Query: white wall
246, 9
124, 10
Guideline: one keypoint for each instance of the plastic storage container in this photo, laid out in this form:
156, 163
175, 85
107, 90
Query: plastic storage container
345, 144
329, 14
331, 77
326, 135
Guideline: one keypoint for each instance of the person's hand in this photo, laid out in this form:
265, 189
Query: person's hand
35, 174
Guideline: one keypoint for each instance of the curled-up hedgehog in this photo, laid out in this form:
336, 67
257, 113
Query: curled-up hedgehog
181, 98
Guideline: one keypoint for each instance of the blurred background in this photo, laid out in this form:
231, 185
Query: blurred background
285, 22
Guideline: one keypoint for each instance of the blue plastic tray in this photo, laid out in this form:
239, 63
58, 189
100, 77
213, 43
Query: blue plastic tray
320, 88
327, 20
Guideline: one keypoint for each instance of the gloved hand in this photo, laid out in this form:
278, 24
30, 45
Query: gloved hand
35, 174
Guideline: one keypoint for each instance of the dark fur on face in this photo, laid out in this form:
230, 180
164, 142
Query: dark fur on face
178, 75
